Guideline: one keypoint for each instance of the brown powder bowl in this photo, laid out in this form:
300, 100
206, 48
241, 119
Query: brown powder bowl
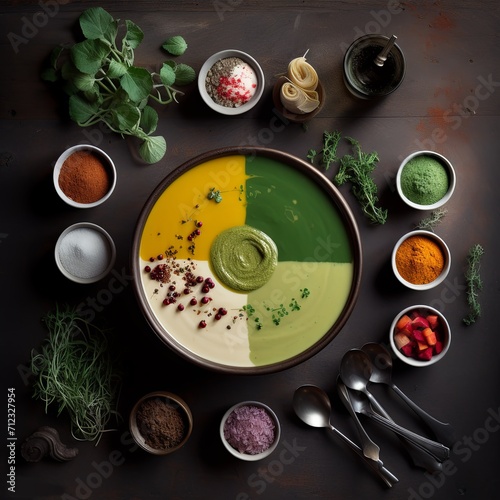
439, 244
161, 422
84, 176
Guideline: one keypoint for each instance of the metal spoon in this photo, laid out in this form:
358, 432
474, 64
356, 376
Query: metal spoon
382, 374
355, 371
382, 56
312, 406
370, 449
361, 405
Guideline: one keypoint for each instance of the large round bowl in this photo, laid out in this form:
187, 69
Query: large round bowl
296, 311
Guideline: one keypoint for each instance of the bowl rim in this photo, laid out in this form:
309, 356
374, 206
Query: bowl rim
245, 456
222, 55
351, 227
446, 253
355, 90
451, 176
95, 227
415, 362
179, 403
59, 163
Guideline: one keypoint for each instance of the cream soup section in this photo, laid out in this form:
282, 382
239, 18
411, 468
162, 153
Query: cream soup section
238, 339
216, 342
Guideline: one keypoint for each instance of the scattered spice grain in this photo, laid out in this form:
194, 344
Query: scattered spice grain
160, 423
84, 177
419, 260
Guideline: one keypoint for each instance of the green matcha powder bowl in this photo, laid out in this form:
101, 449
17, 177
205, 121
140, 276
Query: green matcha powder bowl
425, 180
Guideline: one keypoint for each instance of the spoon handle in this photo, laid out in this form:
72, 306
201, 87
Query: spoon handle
440, 451
370, 449
376, 465
443, 431
419, 456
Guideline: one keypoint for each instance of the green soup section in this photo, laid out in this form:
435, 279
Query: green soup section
246, 261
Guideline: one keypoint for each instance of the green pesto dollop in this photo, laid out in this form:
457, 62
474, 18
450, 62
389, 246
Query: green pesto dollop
243, 258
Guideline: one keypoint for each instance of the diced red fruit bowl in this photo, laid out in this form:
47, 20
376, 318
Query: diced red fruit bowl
420, 336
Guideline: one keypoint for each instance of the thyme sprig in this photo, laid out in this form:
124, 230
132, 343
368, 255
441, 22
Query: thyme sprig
357, 169
434, 218
474, 283
74, 372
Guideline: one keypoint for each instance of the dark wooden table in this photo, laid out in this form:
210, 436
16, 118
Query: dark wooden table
449, 102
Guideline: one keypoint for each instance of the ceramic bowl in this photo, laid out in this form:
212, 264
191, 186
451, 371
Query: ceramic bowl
107, 162
76, 257
225, 110
366, 80
294, 117
173, 401
444, 332
451, 180
446, 254
246, 456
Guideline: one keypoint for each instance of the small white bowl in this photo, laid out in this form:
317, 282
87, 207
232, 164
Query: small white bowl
73, 256
446, 254
452, 180
171, 400
246, 456
225, 110
107, 161
423, 310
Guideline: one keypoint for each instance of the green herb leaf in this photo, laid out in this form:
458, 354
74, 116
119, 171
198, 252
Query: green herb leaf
125, 116
149, 120
474, 283
134, 35
96, 24
88, 56
175, 45
80, 110
153, 149
84, 82
116, 69
137, 83
167, 75
184, 74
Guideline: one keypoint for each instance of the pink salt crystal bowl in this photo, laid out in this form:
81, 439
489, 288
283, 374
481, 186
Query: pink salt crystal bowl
172, 400
246, 456
422, 310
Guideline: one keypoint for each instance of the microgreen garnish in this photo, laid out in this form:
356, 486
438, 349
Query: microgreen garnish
74, 372
216, 194
104, 85
305, 292
474, 283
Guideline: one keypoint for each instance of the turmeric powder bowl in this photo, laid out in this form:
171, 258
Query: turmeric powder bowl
421, 260
84, 176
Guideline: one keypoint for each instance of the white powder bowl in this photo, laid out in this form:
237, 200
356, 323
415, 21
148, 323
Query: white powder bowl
85, 253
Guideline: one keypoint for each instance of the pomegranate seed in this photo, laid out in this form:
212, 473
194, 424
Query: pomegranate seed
199, 279
199, 223
197, 232
171, 288
180, 307
205, 289
193, 301
202, 324
160, 257
147, 269
222, 311
166, 302
187, 291
205, 300
151, 259
217, 316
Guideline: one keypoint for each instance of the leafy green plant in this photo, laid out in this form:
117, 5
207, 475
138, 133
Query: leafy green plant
104, 84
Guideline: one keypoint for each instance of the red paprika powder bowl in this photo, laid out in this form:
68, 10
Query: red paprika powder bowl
421, 260
84, 176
